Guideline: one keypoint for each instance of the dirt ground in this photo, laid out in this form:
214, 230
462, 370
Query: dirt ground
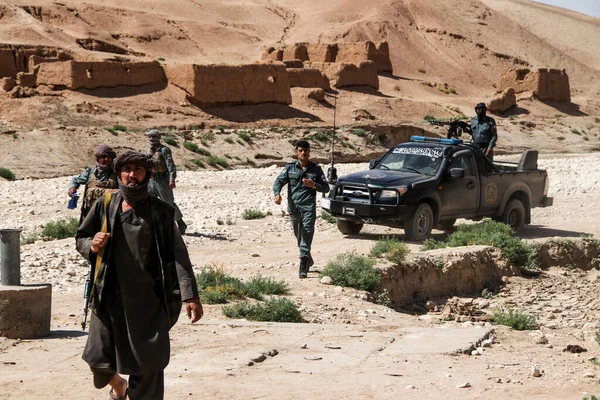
350, 347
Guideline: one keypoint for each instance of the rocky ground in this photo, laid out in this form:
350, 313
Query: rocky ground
212, 202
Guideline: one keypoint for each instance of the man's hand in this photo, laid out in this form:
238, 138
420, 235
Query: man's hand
71, 191
308, 182
99, 241
193, 309
172, 185
278, 199
487, 151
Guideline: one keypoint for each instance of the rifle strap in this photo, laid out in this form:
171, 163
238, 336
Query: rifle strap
104, 229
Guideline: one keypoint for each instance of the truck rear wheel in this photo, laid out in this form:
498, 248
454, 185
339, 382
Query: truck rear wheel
418, 226
348, 227
514, 215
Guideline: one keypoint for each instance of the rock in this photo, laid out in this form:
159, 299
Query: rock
535, 372
7, 84
541, 340
463, 385
477, 352
503, 101
411, 387
362, 114
430, 305
316, 94
505, 279
326, 280
589, 374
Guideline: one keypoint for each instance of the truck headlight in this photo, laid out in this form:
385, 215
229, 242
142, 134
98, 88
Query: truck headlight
388, 194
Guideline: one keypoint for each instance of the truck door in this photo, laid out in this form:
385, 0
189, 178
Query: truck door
460, 196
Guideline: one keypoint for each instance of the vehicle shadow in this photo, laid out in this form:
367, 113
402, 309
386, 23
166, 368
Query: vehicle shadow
65, 334
436, 235
539, 231
216, 236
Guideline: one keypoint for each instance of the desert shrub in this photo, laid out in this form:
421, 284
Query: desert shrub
422, 70
598, 337
486, 293
7, 174
328, 217
207, 137
214, 161
199, 163
272, 310
490, 233
320, 136
161, 59
353, 270
204, 152
191, 146
575, 131
119, 128
360, 132
61, 229
251, 213
261, 285
215, 285
244, 136
586, 138
393, 249
429, 118
211, 295
170, 140
516, 319
229, 140
29, 238
220, 128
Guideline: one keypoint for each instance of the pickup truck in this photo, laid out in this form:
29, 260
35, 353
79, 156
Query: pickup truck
430, 182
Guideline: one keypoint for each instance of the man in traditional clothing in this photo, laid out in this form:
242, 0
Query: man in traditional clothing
144, 274
96, 180
304, 179
164, 175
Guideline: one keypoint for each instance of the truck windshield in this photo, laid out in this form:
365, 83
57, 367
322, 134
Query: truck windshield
420, 160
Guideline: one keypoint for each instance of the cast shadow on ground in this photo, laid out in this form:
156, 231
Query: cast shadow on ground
395, 77
367, 90
124, 91
571, 109
65, 334
514, 110
258, 112
539, 231
436, 235
215, 236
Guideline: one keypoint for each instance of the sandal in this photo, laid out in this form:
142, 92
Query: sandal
112, 396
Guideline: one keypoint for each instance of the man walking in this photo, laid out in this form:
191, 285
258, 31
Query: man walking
164, 175
144, 273
483, 130
96, 180
304, 179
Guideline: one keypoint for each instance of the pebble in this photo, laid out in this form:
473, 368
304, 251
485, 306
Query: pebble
326, 280
463, 385
541, 340
410, 387
535, 372
589, 374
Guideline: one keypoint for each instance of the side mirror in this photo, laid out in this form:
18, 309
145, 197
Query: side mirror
457, 172
372, 164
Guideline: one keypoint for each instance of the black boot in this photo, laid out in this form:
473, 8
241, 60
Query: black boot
182, 227
303, 271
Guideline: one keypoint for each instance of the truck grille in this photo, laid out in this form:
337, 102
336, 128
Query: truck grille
359, 194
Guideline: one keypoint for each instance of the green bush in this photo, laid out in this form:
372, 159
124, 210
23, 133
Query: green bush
422, 70
244, 136
359, 132
320, 136
328, 217
229, 140
170, 140
61, 229
216, 287
211, 295
261, 285
251, 213
272, 310
191, 146
353, 270
214, 161
490, 233
516, 319
30, 238
198, 162
598, 337
575, 131
429, 118
161, 59
113, 131
7, 174
119, 128
208, 136
393, 249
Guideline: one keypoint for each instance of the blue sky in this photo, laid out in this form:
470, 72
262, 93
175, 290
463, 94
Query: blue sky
589, 7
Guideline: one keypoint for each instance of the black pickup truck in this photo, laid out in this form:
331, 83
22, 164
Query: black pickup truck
430, 182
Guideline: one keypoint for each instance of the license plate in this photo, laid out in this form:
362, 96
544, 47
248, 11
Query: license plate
326, 203
349, 211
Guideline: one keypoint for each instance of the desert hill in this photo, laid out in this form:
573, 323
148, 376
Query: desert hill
446, 56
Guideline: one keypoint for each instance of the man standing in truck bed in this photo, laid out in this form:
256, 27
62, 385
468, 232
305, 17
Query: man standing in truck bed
483, 130
304, 179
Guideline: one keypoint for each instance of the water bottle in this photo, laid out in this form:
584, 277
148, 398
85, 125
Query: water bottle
73, 201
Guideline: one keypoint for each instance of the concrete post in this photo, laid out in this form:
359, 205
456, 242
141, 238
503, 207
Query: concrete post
10, 251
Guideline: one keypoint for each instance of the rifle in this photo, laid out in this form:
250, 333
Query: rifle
455, 128
87, 291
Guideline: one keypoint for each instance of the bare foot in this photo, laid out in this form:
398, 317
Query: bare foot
119, 385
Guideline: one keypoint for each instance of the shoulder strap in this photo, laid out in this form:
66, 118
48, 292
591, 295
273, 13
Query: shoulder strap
104, 229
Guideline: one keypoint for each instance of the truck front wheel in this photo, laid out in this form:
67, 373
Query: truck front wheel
418, 226
348, 227
514, 215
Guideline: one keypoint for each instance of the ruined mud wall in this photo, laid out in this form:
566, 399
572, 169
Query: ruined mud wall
344, 75
344, 53
545, 84
15, 58
232, 84
308, 78
74, 75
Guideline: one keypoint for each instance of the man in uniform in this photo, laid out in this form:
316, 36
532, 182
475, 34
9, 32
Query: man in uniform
304, 179
483, 130
96, 180
144, 274
164, 175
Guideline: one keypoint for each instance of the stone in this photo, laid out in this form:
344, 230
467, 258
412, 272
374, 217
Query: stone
505, 279
503, 101
589, 374
410, 387
430, 305
463, 385
535, 372
541, 340
326, 280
